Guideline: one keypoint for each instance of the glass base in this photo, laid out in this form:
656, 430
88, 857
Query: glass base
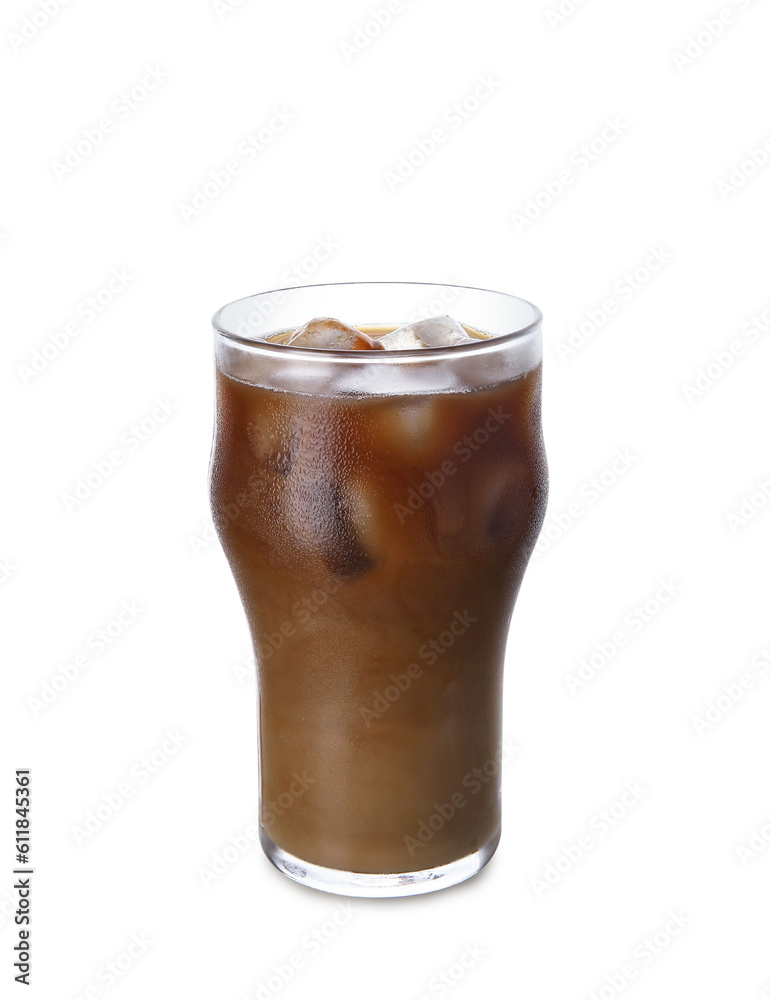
376, 885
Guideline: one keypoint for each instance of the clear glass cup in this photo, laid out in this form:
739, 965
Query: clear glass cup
378, 510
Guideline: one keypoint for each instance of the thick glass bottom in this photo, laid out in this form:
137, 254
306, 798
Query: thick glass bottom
375, 885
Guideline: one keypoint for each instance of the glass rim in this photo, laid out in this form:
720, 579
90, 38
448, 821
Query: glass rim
323, 354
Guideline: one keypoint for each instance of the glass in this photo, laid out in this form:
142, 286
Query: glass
378, 510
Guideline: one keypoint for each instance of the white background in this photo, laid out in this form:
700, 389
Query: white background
143, 535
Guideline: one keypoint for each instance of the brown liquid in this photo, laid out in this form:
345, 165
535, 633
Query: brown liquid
378, 545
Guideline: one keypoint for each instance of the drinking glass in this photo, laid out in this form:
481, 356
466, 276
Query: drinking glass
378, 510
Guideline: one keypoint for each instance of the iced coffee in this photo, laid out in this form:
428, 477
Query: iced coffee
378, 490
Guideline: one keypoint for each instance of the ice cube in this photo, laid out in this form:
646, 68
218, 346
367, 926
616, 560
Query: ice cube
272, 446
503, 501
411, 426
274, 432
322, 519
438, 331
327, 334
364, 499
345, 552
